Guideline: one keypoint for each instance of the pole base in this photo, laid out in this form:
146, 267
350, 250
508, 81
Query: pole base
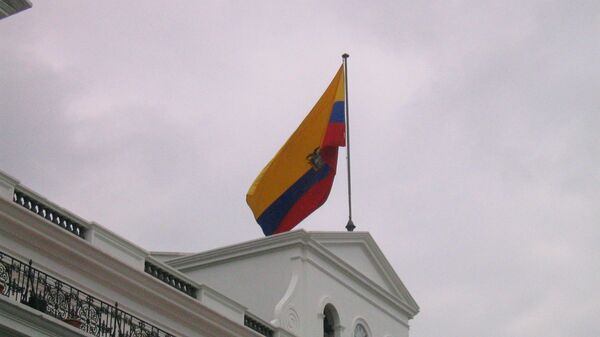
350, 226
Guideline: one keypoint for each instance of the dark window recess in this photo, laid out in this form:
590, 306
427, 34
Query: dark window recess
331, 321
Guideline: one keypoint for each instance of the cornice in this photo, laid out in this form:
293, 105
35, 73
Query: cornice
367, 242
358, 277
240, 250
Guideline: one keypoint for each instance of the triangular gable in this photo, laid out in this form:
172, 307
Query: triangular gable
355, 252
362, 253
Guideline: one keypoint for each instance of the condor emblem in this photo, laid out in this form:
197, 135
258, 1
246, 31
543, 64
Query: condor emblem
315, 159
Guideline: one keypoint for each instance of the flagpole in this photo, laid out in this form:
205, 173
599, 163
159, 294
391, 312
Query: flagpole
350, 226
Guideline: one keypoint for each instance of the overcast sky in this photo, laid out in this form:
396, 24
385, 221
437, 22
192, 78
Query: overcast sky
475, 136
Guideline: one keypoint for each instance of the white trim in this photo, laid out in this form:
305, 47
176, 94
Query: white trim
297, 269
241, 250
324, 301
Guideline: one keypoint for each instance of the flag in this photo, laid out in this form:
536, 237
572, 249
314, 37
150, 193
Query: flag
298, 179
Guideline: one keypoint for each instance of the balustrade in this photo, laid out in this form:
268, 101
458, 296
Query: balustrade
25, 284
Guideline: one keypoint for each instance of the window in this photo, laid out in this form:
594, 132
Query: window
331, 321
360, 331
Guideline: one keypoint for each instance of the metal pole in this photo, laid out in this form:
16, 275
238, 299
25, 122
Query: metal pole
350, 225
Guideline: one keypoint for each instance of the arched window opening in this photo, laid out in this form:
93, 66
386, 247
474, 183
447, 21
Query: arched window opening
331, 321
360, 331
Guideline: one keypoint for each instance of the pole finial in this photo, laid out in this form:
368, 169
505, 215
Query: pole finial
345, 56
350, 226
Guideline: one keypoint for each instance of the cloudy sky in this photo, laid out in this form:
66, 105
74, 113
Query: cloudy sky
476, 148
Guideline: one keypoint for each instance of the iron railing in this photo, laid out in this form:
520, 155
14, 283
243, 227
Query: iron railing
48, 213
170, 279
25, 284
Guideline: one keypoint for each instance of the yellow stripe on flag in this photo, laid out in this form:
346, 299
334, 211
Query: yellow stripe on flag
290, 163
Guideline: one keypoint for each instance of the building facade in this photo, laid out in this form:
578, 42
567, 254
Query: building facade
61, 275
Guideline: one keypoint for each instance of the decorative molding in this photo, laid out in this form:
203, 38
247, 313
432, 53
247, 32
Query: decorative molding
239, 251
285, 303
285, 313
323, 302
293, 320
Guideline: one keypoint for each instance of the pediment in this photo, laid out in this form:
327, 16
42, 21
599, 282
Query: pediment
362, 253
355, 254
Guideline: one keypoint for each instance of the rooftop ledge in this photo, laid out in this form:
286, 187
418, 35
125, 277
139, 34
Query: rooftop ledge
18, 195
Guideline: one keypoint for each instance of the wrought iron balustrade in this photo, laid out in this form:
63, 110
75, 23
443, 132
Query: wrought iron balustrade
170, 279
48, 213
23, 283
257, 326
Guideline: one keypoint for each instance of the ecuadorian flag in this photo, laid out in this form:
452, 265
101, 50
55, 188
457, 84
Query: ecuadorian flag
298, 179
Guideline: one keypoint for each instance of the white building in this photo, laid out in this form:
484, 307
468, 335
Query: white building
61, 275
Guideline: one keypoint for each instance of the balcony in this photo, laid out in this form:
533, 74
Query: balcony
25, 284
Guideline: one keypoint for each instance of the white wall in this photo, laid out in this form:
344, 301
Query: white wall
291, 285
257, 281
351, 303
